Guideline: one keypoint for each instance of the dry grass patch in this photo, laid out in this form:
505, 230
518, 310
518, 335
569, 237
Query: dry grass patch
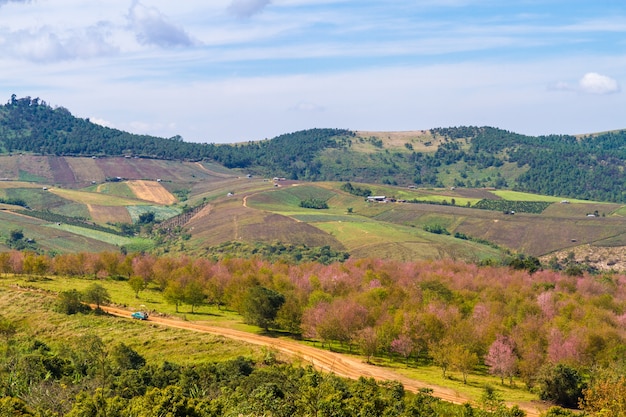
420, 140
151, 191
104, 214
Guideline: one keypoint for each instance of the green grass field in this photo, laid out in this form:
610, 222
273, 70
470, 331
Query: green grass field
102, 236
160, 212
119, 189
519, 196
155, 343
94, 198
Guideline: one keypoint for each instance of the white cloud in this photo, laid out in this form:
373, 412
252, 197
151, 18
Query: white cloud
153, 28
45, 45
594, 83
247, 8
101, 122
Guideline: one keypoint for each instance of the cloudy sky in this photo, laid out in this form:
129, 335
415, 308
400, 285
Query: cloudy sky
237, 70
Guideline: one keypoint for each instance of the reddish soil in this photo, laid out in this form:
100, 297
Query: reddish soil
321, 359
61, 171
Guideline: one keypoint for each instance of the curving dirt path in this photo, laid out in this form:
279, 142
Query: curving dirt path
321, 359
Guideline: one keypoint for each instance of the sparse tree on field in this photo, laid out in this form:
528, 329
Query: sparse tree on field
97, 294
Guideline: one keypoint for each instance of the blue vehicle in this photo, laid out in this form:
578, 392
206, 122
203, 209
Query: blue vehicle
140, 315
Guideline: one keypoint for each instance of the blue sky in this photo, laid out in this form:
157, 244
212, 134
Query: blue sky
237, 70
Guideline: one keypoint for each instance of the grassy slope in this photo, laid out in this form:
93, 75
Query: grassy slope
155, 343
47, 238
360, 232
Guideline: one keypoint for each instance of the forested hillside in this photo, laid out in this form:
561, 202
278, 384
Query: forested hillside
31, 125
590, 167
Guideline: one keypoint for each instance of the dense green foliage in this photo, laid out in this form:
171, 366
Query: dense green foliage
31, 125
275, 252
314, 203
86, 378
13, 201
511, 207
356, 190
589, 168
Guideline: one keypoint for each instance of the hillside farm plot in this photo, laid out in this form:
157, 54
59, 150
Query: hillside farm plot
355, 234
34, 168
119, 189
286, 199
47, 238
37, 198
62, 173
539, 235
581, 210
160, 212
86, 170
109, 214
118, 167
8, 167
520, 196
6, 185
94, 198
151, 191
93, 234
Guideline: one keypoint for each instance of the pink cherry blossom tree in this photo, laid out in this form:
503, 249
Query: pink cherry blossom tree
501, 358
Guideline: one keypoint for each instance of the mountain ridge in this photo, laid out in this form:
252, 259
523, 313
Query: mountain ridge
589, 166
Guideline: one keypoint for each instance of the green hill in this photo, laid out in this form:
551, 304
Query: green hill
587, 167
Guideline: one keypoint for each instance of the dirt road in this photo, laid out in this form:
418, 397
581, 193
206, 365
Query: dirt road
321, 359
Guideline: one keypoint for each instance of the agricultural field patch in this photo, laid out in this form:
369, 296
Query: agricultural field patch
120, 189
30, 177
520, 196
86, 170
160, 213
151, 191
118, 167
93, 234
8, 167
620, 211
61, 171
539, 235
509, 206
47, 238
37, 198
5, 185
73, 209
93, 198
581, 210
34, 168
288, 197
109, 214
